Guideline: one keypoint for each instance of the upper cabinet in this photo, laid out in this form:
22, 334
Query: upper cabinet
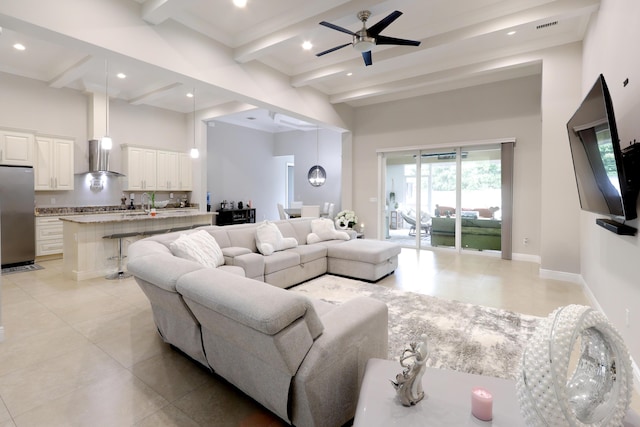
140, 166
53, 163
156, 170
167, 177
16, 148
185, 172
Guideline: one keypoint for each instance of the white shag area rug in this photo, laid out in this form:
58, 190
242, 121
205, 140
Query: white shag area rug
461, 337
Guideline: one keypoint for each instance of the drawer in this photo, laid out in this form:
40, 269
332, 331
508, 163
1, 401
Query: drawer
49, 232
49, 248
48, 220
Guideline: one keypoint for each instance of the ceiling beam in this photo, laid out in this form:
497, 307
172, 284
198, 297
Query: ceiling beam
73, 73
157, 11
557, 10
154, 94
262, 43
437, 79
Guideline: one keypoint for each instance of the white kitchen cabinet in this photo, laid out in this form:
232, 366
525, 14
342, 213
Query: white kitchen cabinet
185, 172
53, 163
16, 148
167, 173
48, 236
140, 166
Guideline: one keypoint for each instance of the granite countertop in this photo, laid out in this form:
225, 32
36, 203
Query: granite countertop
133, 216
93, 210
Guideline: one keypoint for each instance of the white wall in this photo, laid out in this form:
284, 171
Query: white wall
609, 263
507, 109
250, 164
37, 108
241, 166
302, 145
561, 70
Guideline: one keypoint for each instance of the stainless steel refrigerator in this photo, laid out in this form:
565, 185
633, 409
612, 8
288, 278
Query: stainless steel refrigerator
17, 221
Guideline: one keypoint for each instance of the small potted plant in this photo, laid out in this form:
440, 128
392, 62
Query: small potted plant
153, 204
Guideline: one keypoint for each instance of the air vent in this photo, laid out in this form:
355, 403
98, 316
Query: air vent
547, 25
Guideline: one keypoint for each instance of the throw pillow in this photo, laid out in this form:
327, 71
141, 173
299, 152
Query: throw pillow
269, 239
200, 247
324, 229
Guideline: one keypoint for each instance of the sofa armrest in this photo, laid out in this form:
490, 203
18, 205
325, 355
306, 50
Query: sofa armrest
161, 269
327, 384
253, 265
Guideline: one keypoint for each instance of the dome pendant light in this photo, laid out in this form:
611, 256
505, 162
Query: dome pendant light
317, 175
106, 143
194, 151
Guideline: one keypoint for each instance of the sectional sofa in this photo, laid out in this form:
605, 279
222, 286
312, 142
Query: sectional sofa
302, 359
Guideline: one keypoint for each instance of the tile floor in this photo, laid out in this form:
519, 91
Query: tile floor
87, 354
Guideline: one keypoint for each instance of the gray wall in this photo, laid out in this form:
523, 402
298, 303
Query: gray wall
506, 109
609, 263
248, 164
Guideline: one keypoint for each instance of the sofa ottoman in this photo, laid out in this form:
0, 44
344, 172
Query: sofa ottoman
363, 259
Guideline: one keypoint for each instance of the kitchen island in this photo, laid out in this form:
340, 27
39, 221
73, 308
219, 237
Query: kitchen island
88, 254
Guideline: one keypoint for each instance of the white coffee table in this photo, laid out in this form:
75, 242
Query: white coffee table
447, 401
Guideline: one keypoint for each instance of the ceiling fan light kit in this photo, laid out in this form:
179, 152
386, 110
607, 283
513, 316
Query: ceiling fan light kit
366, 39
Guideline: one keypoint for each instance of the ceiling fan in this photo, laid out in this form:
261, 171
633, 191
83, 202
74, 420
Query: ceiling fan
365, 39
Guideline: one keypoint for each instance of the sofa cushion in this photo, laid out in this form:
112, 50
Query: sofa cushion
364, 250
310, 253
324, 229
280, 261
200, 247
269, 239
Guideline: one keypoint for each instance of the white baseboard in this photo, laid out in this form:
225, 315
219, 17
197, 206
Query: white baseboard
562, 276
526, 257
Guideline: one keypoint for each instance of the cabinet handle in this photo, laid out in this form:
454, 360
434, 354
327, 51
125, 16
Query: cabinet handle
56, 181
51, 182
0, 155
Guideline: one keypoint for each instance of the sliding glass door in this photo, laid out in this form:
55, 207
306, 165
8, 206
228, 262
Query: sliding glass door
444, 198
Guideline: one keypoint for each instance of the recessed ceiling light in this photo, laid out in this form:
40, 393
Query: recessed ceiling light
307, 45
510, 33
19, 46
240, 3
189, 95
349, 74
122, 75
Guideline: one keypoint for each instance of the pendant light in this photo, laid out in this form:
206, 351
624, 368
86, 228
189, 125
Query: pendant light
106, 143
317, 175
194, 151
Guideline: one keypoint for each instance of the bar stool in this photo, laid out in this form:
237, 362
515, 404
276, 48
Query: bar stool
120, 274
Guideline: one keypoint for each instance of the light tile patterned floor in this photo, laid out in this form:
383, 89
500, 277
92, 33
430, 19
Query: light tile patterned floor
87, 353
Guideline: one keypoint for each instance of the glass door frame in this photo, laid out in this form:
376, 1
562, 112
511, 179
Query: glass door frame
383, 154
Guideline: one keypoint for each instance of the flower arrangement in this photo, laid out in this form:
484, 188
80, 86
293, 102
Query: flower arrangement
346, 219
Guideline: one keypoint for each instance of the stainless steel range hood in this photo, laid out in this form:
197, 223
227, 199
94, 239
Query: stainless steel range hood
99, 159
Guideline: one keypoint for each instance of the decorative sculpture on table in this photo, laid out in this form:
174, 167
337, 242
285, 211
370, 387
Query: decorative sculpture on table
408, 383
598, 393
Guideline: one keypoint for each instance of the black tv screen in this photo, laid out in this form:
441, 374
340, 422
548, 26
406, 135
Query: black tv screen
598, 158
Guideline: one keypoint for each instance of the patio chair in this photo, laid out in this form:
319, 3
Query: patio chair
425, 223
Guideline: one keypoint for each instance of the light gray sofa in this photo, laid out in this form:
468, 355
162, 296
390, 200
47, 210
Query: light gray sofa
302, 359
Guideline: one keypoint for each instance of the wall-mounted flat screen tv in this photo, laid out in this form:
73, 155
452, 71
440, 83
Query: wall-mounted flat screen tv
598, 158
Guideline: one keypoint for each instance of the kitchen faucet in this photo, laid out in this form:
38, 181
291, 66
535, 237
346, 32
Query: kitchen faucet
143, 203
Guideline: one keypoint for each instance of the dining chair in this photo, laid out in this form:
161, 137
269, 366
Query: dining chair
281, 212
310, 211
330, 210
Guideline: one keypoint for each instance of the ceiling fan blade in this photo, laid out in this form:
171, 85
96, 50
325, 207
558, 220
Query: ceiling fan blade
367, 58
395, 41
383, 23
337, 28
333, 49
